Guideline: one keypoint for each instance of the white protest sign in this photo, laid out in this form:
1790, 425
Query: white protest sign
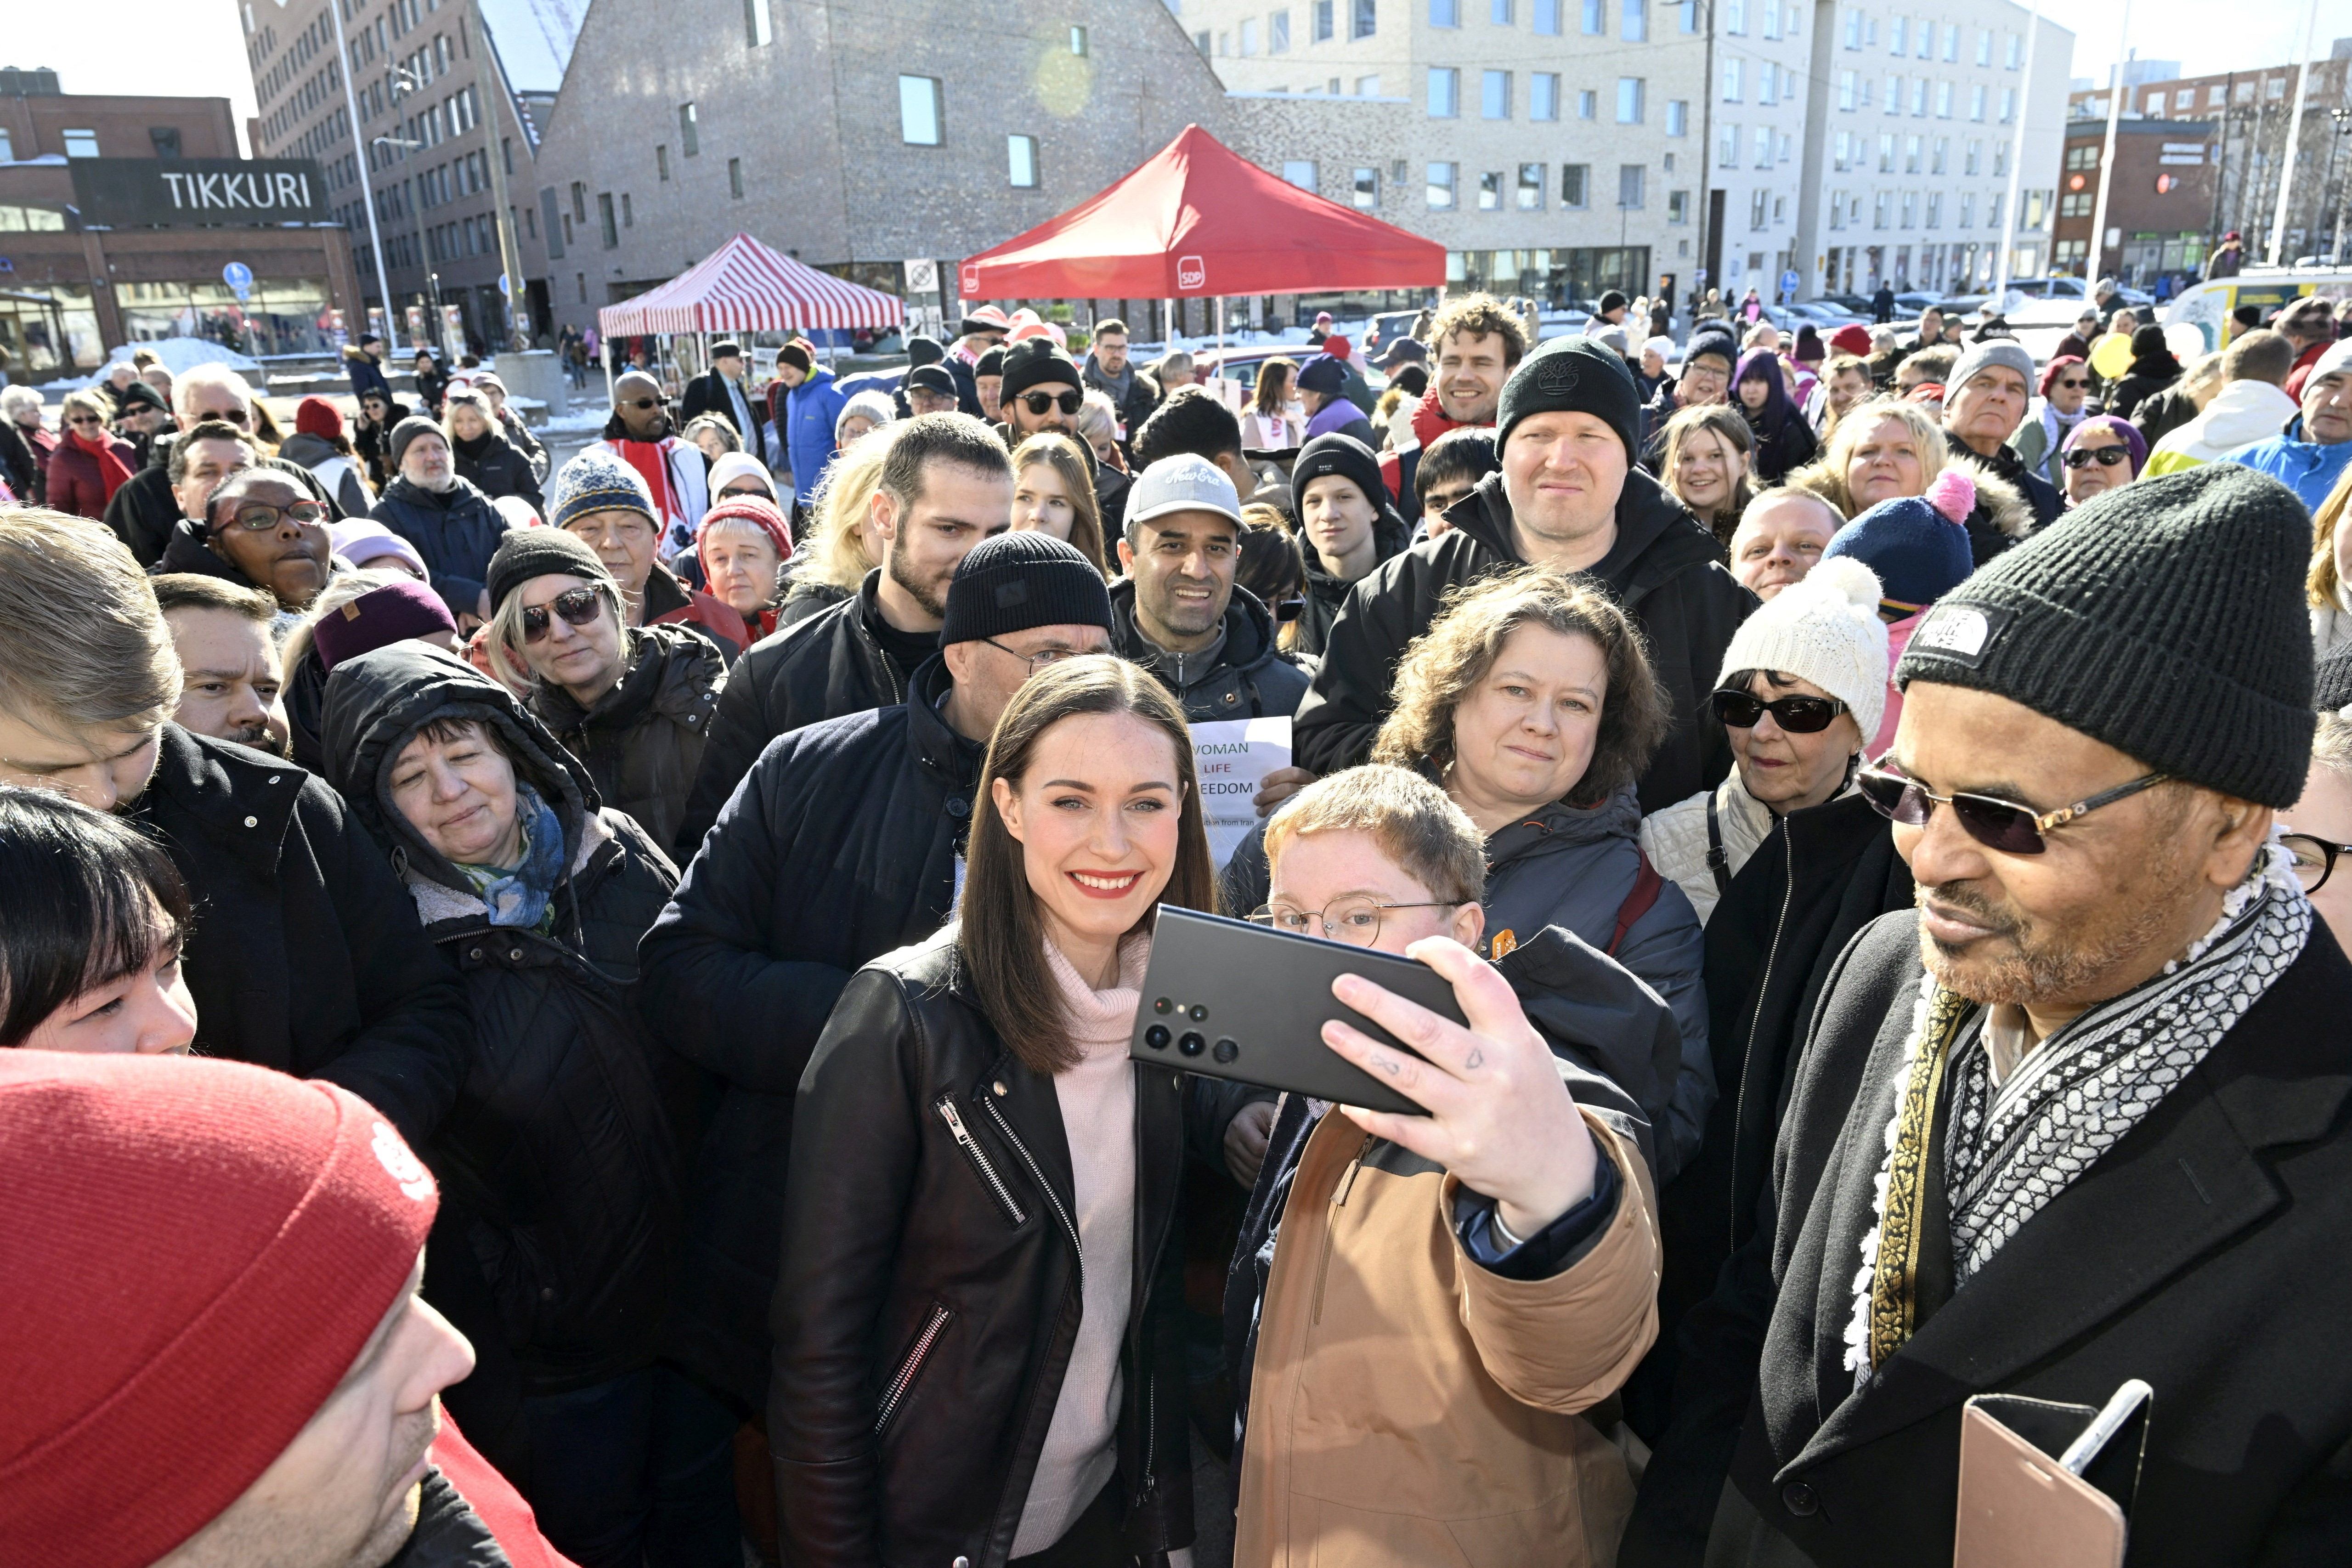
1232, 757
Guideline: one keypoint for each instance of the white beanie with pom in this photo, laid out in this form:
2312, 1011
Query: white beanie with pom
1824, 629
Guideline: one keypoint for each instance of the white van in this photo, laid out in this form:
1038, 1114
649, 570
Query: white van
2207, 306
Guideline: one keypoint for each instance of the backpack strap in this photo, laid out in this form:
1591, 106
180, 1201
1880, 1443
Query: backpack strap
1717, 861
1647, 885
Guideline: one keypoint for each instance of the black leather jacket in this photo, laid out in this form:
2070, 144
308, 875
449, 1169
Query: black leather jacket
929, 1293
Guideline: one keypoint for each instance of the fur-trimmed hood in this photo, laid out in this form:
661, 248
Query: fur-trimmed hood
2001, 505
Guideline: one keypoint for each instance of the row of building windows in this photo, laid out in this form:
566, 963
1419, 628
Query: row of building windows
1915, 209
1852, 151
1496, 99
1927, 39
1324, 21
1855, 92
1545, 16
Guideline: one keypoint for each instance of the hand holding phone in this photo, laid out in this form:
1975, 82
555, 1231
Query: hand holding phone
1499, 1117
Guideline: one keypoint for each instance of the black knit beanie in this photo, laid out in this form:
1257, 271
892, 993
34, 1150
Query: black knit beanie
1016, 580
1573, 375
1036, 362
989, 363
2331, 690
1336, 453
527, 553
2165, 619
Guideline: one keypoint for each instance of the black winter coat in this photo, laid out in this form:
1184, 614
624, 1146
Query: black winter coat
1666, 570
826, 667
1251, 676
839, 847
1791, 446
457, 531
2148, 375
1985, 542
930, 1292
2200, 1253
1818, 876
1391, 537
559, 1152
492, 464
707, 394
2161, 413
644, 740
144, 511
306, 955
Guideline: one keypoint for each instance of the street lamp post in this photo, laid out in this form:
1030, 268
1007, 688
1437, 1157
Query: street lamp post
424, 255
2342, 121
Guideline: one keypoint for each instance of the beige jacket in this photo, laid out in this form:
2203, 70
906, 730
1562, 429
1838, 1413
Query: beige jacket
1408, 1406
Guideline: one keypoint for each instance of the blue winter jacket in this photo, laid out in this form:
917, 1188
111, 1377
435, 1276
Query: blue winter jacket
810, 410
2306, 468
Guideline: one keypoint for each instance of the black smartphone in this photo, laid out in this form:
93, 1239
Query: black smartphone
1228, 999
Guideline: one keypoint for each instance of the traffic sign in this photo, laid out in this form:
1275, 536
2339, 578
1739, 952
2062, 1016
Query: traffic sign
239, 278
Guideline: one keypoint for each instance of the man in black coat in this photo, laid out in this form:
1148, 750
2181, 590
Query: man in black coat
722, 391
1568, 498
454, 527
2081, 1117
844, 842
946, 485
306, 954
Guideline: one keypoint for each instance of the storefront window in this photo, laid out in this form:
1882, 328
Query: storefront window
51, 329
278, 315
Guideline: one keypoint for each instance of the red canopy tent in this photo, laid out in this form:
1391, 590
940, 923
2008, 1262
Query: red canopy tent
745, 286
1197, 218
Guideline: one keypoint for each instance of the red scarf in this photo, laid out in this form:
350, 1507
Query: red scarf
652, 462
111, 470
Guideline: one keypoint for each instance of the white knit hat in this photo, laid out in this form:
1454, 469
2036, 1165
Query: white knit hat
1824, 629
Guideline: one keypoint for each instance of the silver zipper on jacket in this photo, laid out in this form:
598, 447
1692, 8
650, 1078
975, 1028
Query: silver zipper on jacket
978, 1158
1771, 956
894, 1396
1043, 1186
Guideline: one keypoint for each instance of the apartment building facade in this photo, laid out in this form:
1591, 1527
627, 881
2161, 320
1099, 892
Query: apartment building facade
1913, 122
2253, 118
411, 178
1554, 147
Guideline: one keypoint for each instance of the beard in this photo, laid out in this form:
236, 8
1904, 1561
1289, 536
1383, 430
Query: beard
440, 483
2027, 960
258, 737
932, 600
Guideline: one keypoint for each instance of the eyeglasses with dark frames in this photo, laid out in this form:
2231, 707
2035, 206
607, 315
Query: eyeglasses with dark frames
2106, 456
641, 402
1038, 401
1797, 713
578, 606
1995, 823
2314, 859
1356, 922
257, 517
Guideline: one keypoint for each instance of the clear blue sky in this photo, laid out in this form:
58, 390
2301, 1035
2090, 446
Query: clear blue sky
197, 46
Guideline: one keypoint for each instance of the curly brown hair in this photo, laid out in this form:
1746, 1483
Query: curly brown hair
1480, 315
1444, 664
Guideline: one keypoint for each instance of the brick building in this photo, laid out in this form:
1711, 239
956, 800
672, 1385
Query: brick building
2159, 198
414, 176
2249, 115
98, 246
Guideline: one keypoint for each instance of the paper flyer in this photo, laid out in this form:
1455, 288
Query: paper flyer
1232, 756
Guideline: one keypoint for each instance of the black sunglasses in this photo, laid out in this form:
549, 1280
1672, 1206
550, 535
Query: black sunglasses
643, 402
1799, 714
578, 606
1995, 823
2106, 456
2314, 859
1067, 402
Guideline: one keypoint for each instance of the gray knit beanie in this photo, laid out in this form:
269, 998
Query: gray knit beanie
2004, 352
2165, 619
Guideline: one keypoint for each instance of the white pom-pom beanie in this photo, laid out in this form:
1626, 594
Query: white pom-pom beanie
1826, 630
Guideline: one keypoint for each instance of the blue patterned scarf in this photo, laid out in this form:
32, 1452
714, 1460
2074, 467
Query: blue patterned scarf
525, 895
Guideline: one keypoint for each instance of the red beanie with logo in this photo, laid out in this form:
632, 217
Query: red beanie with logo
192, 1256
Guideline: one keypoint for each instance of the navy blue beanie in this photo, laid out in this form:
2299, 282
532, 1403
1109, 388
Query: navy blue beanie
1919, 545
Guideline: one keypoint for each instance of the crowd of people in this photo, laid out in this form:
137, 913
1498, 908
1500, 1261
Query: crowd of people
660, 939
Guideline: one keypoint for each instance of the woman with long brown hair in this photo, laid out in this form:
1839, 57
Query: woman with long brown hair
1054, 492
1268, 426
978, 1349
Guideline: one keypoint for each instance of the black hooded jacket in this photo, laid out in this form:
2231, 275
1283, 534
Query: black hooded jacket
644, 739
840, 846
560, 1152
1665, 569
826, 665
1326, 594
457, 531
306, 954
1250, 678
495, 467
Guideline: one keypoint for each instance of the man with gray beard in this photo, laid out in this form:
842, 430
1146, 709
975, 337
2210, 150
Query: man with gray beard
452, 524
2084, 1115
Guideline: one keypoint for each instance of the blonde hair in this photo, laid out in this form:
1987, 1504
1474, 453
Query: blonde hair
83, 645
1416, 824
1052, 450
836, 541
87, 400
1098, 419
2323, 584
1825, 477
1444, 664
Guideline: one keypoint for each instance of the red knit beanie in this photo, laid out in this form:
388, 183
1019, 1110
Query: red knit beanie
192, 1256
317, 416
751, 509
1853, 338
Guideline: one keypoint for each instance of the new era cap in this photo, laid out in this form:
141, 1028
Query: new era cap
1184, 482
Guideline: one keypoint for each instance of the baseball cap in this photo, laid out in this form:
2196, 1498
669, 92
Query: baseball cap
1185, 482
931, 378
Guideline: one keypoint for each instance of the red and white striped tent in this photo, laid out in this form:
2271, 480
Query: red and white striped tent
745, 286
